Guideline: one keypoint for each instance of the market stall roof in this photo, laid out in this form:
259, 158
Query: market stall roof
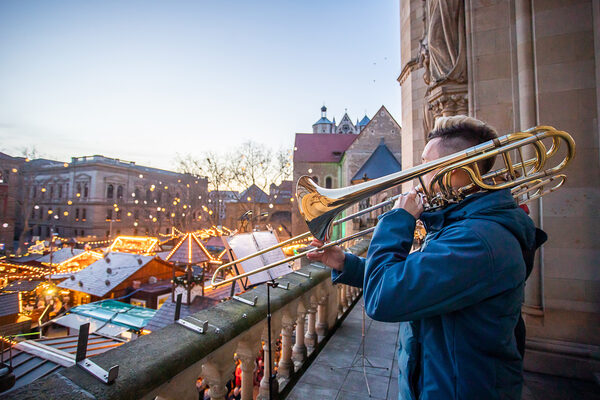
107, 317
189, 250
104, 275
60, 255
135, 244
164, 316
21, 286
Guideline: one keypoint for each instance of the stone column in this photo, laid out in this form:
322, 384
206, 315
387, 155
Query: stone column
322, 325
216, 380
285, 368
263, 392
311, 337
527, 119
248, 364
299, 349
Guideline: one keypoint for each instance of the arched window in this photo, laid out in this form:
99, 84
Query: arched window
79, 189
110, 192
85, 191
316, 179
119, 192
137, 193
148, 195
328, 182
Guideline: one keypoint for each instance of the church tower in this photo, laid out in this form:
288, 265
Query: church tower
323, 125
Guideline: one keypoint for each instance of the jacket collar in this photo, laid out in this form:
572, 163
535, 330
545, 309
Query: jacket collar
473, 204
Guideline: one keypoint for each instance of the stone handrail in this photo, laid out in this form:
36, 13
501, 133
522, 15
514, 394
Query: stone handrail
167, 363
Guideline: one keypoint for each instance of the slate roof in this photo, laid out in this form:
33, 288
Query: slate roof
30, 363
9, 304
256, 195
25, 259
21, 286
382, 162
322, 147
323, 121
60, 255
189, 250
164, 316
97, 281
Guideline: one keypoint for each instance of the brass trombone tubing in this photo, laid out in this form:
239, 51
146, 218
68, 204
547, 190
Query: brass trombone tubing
306, 234
319, 206
290, 258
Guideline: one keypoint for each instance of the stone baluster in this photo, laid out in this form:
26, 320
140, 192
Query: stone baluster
322, 326
349, 296
263, 392
216, 380
299, 350
285, 368
343, 300
311, 336
248, 365
340, 289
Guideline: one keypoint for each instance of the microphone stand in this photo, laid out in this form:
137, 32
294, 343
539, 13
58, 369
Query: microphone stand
360, 361
270, 284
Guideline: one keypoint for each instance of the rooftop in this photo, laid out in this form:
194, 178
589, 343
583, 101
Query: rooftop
321, 147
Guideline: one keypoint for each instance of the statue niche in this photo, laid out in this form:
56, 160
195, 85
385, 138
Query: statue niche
443, 55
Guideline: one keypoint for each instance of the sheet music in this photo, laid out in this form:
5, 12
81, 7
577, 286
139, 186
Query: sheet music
248, 243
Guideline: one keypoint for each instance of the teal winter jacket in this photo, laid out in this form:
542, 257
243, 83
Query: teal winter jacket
458, 299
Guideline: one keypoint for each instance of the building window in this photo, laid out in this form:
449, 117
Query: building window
79, 189
328, 182
138, 302
148, 195
51, 191
108, 214
34, 191
32, 213
67, 190
119, 215
41, 212
137, 193
110, 192
82, 233
48, 231
120, 192
85, 191
316, 179
136, 214
77, 214
60, 191
83, 214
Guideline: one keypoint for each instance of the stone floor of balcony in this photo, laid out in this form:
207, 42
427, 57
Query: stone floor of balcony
329, 377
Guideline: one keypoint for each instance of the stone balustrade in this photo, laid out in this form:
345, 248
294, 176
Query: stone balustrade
167, 363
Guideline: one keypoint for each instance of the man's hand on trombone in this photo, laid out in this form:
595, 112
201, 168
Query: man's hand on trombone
333, 256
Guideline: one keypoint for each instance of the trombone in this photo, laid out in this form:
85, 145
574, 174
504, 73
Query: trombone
527, 178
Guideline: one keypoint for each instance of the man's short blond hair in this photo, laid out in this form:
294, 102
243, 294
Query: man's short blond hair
459, 132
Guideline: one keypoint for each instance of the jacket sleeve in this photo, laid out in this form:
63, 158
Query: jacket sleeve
353, 273
452, 272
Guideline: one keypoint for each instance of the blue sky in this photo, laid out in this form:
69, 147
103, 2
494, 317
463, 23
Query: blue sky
145, 80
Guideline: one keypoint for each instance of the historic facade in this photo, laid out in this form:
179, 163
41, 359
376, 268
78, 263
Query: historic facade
333, 160
101, 197
518, 64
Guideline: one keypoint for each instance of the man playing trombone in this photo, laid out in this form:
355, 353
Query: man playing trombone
459, 297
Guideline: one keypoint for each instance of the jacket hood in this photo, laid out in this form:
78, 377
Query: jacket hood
498, 206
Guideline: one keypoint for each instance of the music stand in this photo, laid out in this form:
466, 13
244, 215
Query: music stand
244, 244
362, 357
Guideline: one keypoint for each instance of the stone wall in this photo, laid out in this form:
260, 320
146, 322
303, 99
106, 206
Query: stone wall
530, 63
